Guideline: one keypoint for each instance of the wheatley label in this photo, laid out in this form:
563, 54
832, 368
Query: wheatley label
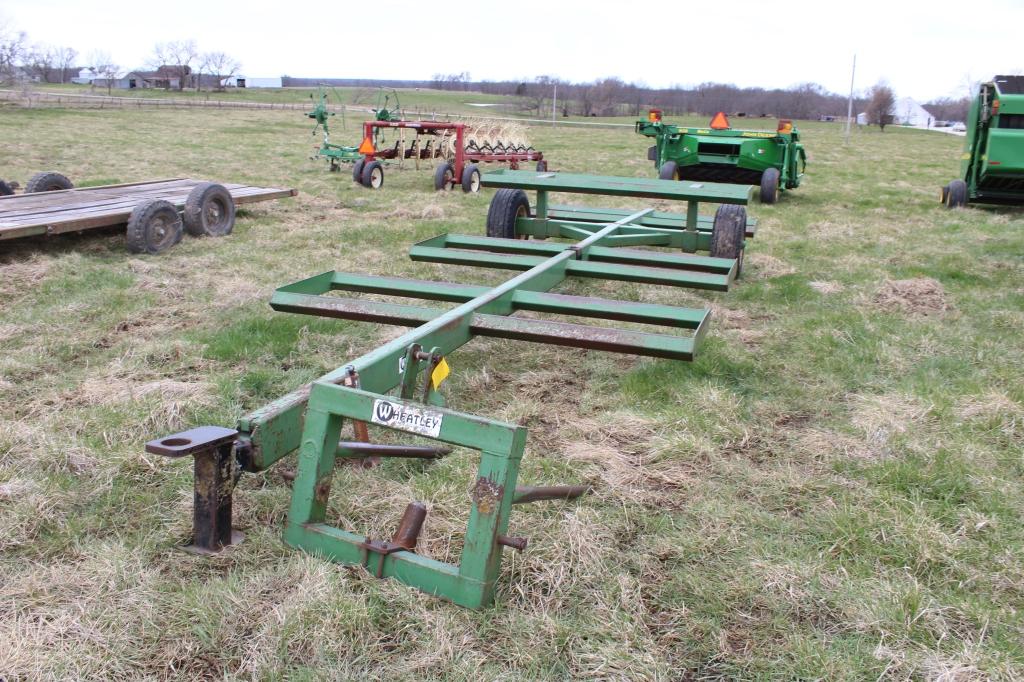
407, 418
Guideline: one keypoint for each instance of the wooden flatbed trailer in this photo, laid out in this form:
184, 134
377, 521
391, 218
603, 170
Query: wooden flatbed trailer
156, 212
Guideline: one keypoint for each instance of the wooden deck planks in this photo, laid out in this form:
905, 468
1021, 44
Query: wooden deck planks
81, 209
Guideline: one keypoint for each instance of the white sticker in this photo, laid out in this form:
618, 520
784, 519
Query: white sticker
407, 418
401, 364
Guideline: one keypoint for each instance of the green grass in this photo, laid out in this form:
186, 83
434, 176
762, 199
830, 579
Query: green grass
832, 490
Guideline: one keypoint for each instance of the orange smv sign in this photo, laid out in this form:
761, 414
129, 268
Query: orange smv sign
367, 146
719, 122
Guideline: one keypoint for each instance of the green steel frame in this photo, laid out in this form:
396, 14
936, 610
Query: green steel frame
310, 419
689, 232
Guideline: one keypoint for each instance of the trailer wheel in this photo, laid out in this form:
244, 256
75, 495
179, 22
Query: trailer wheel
542, 166
209, 211
357, 171
770, 186
727, 233
153, 226
5, 189
373, 175
956, 197
471, 178
444, 177
47, 182
669, 171
506, 206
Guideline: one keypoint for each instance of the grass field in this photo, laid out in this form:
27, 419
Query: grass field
833, 490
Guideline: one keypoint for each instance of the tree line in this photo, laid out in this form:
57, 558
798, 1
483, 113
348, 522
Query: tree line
177, 59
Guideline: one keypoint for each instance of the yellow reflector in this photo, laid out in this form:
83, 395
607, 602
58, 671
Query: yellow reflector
366, 147
785, 125
440, 373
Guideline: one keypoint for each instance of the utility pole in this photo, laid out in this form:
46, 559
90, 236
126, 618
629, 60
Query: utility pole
849, 102
554, 104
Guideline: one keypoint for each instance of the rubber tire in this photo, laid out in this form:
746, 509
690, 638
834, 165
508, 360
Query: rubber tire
506, 206
357, 171
957, 196
944, 196
368, 175
203, 198
669, 171
444, 177
769, 186
141, 225
542, 166
5, 189
47, 181
728, 232
471, 178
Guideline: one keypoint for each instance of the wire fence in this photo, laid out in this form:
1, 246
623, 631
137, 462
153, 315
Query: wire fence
36, 99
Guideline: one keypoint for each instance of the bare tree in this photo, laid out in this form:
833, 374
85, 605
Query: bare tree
105, 67
40, 62
881, 103
65, 59
176, 58
12, 50
221, 65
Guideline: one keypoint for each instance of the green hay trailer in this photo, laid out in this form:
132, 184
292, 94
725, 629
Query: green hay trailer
773, 160
992, 164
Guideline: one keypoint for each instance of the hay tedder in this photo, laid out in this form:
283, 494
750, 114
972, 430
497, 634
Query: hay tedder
775, 161
453, 149
992, 164
398, 385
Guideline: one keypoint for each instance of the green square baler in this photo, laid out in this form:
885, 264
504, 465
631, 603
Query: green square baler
773, 160
992, 163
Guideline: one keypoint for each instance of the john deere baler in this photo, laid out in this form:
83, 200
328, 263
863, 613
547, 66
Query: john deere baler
992, 164
718, 153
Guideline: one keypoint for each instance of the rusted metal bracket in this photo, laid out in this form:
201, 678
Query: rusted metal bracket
404, 540
212, 450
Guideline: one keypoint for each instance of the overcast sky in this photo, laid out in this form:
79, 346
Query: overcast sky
924, 49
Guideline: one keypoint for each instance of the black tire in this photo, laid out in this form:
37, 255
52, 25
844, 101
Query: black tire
209, 211
444, 177
154, 226
357, 171
47, 182
957, 195
5, 189
652, 154
944, 194
727, 234
506, 206
542, 166
669, 171
770, 186
471, 178
373, 175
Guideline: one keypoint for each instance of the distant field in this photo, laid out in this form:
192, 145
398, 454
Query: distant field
833, 490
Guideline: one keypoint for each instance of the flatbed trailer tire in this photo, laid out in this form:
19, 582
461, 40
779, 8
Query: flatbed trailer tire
209, 211
47, 181
153, 227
